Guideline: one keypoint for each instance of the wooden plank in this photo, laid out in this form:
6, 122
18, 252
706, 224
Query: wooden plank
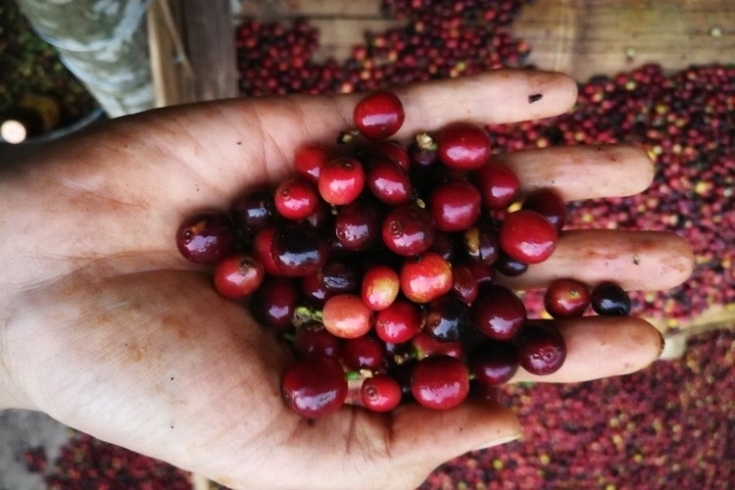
587, 39
210, 46
286, 9
167, 66
192, 55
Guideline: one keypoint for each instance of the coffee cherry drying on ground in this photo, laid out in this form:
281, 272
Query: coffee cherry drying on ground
378, 264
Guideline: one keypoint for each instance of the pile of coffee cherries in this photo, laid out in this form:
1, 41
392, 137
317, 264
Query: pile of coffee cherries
377, 262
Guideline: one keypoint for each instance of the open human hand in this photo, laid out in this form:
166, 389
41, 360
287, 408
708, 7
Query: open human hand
105, 327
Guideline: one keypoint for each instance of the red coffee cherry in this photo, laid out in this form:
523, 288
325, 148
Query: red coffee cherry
463, 146
379, 115
527, 236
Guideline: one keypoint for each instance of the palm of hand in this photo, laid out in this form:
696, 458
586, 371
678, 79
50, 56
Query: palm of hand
124, 339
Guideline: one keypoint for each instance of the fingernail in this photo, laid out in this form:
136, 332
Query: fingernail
499, 441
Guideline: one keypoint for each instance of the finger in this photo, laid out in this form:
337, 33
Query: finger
599, 347
498, 96
501, 96
582, 172
637, 260
258, 137
428, 438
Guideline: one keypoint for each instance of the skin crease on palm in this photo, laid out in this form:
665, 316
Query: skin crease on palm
105, 327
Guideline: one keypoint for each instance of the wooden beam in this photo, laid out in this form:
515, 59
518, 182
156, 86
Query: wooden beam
192, 50
590, 38
171, 71
210, 44
323, 9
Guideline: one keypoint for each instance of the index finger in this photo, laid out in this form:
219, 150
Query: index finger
501, 96
257, 137
494, 97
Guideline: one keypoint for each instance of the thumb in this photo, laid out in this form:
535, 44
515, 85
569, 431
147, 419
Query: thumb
427, 438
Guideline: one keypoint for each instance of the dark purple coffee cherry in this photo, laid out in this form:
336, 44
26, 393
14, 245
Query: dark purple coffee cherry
609, 299
205, 238
541, 349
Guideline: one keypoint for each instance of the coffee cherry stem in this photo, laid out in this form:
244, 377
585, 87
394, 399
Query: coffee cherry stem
358, 375
404, 357
355, 380
346, 137
303, 315
425, 141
